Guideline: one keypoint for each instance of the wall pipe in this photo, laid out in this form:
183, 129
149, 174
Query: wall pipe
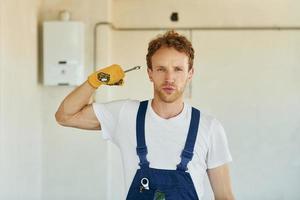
208, 28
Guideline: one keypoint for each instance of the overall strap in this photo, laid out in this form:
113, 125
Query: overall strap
141, 148
188, 151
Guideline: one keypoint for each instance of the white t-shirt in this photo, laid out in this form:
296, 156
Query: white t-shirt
165, 139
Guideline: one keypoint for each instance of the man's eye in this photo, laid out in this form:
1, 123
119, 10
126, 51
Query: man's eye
178, 69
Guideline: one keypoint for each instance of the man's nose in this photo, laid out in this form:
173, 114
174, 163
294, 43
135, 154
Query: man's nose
169, 76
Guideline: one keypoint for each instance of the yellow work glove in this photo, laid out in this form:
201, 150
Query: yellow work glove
112, 75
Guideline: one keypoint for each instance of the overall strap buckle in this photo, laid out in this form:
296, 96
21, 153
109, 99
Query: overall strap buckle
186, 157
142, 153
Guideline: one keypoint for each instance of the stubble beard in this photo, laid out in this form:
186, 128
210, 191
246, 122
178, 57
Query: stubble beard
170, 98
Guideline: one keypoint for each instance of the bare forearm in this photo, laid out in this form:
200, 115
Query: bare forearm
76, 100
220, 181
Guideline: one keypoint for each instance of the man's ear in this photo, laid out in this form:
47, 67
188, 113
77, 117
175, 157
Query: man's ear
191, 73
149, 70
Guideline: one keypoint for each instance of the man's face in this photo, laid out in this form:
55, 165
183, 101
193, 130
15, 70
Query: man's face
170, 74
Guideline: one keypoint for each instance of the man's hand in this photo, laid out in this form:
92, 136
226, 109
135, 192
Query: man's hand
112, 75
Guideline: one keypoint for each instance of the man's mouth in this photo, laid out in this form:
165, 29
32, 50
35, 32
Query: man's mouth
168, 89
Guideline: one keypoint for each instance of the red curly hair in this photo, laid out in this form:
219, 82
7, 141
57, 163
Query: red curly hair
174, 40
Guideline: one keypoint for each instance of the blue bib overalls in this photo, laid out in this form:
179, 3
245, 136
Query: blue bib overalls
162, 184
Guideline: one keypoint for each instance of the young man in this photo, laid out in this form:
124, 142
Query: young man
166, 145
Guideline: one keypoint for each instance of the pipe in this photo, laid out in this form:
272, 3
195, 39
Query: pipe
211, 28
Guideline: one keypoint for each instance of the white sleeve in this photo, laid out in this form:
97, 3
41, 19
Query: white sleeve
218, 150
108, 116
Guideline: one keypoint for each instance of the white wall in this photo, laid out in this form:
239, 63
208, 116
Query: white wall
20, 95
206, 13
248, 79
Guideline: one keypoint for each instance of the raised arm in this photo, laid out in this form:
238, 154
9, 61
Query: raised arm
220, 182
76, 109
